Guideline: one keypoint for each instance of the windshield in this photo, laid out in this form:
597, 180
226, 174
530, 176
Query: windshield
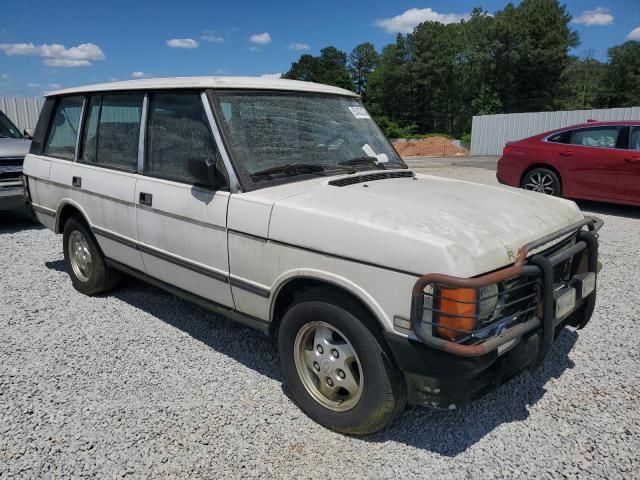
8, 129
282, 136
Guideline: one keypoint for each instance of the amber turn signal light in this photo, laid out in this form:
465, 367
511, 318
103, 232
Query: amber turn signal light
460, 303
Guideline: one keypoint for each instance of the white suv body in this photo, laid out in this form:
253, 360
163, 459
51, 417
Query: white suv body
358, 264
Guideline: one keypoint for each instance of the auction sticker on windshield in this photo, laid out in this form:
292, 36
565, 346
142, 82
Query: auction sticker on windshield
359, 112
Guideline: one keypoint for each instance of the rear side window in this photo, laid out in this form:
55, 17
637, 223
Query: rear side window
561, 137
596, 137
177, 132
63, 128
111, 131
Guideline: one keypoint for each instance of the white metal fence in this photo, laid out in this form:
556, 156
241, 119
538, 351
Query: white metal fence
23, 111
489, 133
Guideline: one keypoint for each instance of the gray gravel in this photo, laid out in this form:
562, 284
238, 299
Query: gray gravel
141, 383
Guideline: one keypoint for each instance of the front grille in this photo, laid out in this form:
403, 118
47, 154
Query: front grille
516, 301
10, 169
370, 177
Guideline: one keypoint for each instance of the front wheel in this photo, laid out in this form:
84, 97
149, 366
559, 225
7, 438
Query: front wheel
542, 180
335, 368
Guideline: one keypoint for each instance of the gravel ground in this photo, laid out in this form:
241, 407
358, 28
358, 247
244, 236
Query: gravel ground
141, 383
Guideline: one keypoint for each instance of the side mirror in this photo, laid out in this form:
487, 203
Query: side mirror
28, 133
206, 172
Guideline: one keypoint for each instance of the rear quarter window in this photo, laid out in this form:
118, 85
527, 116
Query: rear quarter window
63, 128
560, 137
39, 136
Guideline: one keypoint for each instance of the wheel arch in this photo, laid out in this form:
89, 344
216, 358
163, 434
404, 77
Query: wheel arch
291, 285
66, 210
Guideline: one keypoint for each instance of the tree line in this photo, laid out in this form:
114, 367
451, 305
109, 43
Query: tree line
516, 60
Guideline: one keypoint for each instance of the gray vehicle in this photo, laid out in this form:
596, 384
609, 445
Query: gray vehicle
13, 147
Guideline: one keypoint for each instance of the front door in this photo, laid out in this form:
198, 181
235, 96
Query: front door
182, 227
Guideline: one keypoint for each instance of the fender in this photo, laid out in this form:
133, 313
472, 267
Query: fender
341, 282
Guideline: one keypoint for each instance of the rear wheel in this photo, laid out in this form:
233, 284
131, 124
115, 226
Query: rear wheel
335, 368
85, 264
542, 180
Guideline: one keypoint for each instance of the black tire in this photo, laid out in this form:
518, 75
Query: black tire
383, 395
542, 180
101, 278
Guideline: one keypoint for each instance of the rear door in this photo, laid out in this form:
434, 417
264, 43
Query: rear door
592, 161
182, 227
104, 177
630, 178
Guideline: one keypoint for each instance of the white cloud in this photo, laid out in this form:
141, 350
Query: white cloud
407, 21
34, 85
298, 46
4, 76
182, 43
271, 75
113, 79
598, 16
260, 38
57, 55
211, 37
55, 86
634, 34
254, 49
138, 74
222, 71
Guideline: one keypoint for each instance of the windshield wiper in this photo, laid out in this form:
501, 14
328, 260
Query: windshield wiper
364, 161
291, 168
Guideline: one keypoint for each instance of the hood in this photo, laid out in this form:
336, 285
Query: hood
420, 225
14, 147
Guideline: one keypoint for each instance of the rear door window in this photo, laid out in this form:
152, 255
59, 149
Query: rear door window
112, 131
604, 137
63, 129
177, 131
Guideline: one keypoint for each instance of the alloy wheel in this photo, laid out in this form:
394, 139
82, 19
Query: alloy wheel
328, 366
540, 182
80, 256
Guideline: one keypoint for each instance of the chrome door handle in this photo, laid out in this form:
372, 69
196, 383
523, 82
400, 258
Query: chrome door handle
566, 154
76, 182
632, 160
146, 199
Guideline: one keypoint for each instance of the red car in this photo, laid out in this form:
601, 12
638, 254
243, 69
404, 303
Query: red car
593, 161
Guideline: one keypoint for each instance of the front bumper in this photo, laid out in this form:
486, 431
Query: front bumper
441, 372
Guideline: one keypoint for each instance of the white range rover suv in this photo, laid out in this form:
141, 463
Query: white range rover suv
282, 205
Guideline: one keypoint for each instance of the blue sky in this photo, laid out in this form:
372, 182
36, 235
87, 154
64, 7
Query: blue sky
45, 45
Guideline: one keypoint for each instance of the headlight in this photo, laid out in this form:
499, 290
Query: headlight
487, 301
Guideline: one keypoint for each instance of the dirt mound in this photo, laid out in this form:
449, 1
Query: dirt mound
429, 147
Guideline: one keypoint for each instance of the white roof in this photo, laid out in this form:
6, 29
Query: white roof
240, 83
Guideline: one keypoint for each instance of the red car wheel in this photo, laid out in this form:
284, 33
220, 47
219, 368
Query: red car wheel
542, 180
